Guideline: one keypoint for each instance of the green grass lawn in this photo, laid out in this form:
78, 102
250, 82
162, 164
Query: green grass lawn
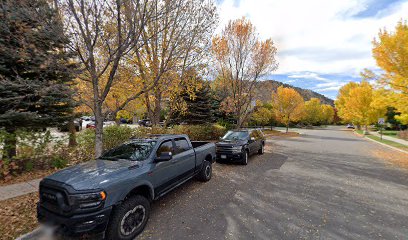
391, 133
360, 132
391, 143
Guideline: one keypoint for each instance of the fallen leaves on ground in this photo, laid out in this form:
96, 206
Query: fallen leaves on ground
18, 216
27, 176
397, 158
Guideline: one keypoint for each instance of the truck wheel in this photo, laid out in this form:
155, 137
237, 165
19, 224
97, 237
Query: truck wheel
206, 172
245, 158
261, 150
129, 219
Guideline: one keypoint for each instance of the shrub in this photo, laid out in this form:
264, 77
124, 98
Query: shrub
403, 134
59, 162
195, 132
112, 137
115, 135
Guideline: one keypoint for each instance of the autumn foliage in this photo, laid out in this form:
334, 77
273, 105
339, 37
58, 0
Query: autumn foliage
288, 105
241, 58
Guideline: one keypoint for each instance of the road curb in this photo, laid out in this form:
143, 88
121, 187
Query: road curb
386, 145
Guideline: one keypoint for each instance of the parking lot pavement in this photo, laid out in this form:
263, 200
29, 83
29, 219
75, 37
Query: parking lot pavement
324, 184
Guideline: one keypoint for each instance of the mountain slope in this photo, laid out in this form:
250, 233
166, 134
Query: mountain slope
265, 88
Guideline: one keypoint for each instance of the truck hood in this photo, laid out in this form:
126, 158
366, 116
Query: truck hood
231, 143
92, 174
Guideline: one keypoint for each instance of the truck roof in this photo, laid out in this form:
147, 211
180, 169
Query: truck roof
159, 136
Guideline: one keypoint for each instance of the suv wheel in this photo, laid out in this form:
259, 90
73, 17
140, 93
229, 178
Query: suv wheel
206, 172
129, 219
261, 150
245, 158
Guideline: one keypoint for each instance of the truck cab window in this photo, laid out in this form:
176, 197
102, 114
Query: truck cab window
181, 145
166, 146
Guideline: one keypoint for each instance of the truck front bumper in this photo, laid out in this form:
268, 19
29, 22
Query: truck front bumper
229, 157
95, 222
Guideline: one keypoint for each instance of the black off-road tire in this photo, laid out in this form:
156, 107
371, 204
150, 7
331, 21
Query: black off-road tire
205, 173
261, 150
119, 216
245, 158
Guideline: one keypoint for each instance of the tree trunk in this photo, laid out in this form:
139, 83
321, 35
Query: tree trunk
155, 118
98, 131
72, 138
287, 127
10, 143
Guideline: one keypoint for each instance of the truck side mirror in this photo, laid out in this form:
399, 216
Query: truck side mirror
164, 156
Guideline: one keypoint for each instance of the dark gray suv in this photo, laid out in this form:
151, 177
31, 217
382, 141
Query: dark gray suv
238, 145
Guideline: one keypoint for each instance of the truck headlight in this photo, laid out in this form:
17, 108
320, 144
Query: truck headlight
89, 200
237, 149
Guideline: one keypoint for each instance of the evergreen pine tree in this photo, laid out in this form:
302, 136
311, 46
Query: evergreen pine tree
199, 109
36, 69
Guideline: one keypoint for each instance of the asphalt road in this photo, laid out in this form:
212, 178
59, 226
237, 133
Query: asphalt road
324, 184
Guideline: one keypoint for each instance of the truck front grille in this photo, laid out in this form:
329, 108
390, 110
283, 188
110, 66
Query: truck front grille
226, 149
54, 199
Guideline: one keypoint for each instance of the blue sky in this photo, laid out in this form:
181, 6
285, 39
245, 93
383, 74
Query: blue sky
322, 44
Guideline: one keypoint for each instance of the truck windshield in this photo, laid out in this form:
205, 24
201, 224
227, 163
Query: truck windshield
134, 151
235, 135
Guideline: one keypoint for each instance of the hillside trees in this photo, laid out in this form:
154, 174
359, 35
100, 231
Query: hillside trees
288, 105
36, 70
174, 44
241, 58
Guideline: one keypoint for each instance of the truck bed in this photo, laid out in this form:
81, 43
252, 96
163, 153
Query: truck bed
203, 150
197, 144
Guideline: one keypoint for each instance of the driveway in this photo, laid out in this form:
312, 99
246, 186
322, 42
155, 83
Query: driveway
324, 184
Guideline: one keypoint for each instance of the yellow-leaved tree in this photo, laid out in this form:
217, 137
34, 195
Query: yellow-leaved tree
391, 54
360, 104
313, 113
327, 114
288, 105
263, 114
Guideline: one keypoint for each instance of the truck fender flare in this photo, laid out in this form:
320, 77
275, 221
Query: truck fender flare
138, 185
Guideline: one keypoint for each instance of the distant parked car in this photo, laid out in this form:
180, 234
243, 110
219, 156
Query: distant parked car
238, 145
105, 124
91, 125
145, 123
350, 126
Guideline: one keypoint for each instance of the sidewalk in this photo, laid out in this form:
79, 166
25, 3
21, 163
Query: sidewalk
19, 189
393, 139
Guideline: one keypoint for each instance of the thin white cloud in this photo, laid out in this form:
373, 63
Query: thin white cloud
317, 36
308, 75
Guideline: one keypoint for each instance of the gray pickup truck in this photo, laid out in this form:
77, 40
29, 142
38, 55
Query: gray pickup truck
112, 194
